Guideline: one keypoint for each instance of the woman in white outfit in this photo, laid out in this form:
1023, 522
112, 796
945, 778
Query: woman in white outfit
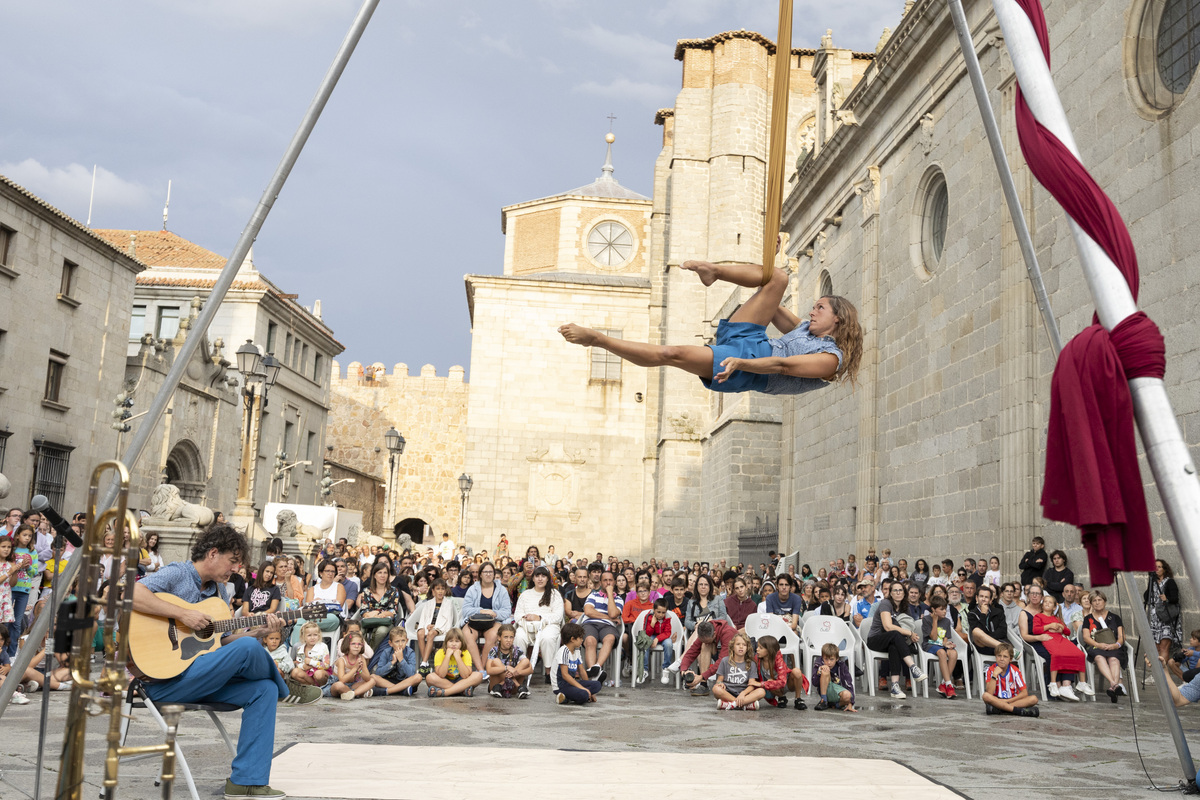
539, 611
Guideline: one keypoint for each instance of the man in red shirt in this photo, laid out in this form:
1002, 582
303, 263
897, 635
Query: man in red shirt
712, 643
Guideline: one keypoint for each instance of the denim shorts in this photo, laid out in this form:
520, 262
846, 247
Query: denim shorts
738, 340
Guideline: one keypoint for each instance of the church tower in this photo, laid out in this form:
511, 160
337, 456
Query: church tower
555, 433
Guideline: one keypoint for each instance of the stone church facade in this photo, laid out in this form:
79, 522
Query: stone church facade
893, 202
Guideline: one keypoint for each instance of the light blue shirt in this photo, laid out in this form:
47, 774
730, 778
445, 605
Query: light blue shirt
799, 342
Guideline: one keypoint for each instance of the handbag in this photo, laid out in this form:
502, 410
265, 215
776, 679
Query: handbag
1104, 636
481, 622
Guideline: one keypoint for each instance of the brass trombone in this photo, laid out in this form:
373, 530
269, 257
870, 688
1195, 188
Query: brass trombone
106, 693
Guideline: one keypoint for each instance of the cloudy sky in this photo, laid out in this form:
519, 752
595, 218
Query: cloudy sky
447, 112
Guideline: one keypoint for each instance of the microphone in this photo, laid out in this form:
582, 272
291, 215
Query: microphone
40, 504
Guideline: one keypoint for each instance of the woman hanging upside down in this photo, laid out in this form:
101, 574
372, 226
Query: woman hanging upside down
827, 348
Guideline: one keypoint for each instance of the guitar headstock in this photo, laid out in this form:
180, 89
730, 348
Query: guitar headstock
314, 611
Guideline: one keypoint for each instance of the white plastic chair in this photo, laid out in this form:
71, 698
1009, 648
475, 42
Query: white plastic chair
871, 657
979, 663
677, 630
963, 658
545, 633
773, 625
820, 630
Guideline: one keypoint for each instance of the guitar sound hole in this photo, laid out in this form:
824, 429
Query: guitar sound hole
205, 632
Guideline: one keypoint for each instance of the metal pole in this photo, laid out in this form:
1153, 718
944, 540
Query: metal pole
1009, 185
56, 548
1170, 462
219, 290
1160, 676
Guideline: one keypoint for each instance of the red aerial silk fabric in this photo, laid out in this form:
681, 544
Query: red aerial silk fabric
1092, 476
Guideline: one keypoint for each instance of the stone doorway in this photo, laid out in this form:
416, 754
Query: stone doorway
185, 471
415, 527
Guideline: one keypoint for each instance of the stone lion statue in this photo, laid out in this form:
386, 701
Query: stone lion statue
166, 504
289, 525
404, 542
355, 535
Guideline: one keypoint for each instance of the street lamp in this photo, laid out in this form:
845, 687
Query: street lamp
259, 374
394, 441
464, 488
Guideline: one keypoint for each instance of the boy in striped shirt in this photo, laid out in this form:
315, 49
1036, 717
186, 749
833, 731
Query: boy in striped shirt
1005, 691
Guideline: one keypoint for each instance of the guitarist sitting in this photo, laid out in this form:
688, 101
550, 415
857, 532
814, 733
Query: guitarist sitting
240, 672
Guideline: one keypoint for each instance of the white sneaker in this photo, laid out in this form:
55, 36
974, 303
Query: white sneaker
1054, 691
1085, 688
642, 677
673, 667
626, 670
1068, 693
19, 698
666, 677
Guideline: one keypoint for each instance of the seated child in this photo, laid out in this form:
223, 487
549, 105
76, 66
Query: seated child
656, 630
452, 671
353, 676
1005, 691
355, 626
273, 641
311, 657
837, 685
435, 620
774, 677
394, 666
568, 679
1065, 660
508, 669
936, 639
1187, 666
18, 695
993, 577
734, 673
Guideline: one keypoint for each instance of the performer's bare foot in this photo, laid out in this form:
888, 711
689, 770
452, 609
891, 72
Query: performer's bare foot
706, 271
577, 334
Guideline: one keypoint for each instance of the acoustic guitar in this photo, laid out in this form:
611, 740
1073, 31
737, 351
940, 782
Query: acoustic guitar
163, 647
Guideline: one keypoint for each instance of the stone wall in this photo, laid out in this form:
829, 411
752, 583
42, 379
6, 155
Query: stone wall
556, 455
367, 494
429, 411
941, 449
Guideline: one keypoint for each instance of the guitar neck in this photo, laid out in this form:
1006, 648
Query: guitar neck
240, 623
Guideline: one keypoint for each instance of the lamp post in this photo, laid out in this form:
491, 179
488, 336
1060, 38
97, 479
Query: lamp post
464, 488
259, 374
394, 441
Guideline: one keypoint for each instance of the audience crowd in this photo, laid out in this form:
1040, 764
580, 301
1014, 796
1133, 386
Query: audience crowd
442, 622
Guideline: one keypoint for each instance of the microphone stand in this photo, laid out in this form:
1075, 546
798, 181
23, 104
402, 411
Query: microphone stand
56, 549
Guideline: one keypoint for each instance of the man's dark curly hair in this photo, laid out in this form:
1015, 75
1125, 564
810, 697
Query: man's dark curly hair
224, 538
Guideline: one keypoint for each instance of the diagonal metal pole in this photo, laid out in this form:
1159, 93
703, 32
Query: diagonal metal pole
1170, 462
205, 318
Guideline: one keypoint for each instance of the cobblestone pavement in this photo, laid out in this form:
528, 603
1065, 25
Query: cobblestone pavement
1075, 750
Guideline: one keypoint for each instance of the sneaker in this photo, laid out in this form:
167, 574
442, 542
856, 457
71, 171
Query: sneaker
65, 686
235, 790
378, 691
424, 669
560, 698
701, 690
896, 692
643, 677
1053, 689
347, 695
301, 694
1085, 688
725, 705
665, 680
523, 694
594, 672
799, 704
989, 710
752, 707
19, 698
495, 692
822, 706
951, 692
1121, 690
626, 670
1068, 693
941, 688
918, 674
602, 677
1032, 711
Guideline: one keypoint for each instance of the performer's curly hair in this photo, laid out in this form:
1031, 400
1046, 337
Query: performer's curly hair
224, 538
848, 336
